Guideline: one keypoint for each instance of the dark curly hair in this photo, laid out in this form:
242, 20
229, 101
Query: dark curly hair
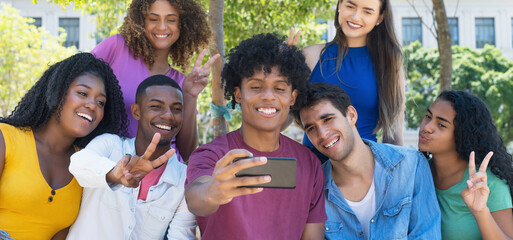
317, 92
47, 95
195, 32
474, 131
262, 52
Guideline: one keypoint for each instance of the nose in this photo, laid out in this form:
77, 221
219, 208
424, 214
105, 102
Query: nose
356, 14
90, 103
268, 94
161, 25
167, 114
428, 127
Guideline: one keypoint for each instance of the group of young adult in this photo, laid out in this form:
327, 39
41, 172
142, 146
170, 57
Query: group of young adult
114, 172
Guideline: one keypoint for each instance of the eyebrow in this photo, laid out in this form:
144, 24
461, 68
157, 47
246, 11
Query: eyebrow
324, 116
169, 15
261, 80
88, 87
366, 8
439, 118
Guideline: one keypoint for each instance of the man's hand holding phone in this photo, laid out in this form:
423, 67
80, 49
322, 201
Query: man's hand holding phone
224, 185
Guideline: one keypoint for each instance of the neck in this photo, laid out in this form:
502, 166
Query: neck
51, 137
360, 42
447, 164
358, 165
262, 141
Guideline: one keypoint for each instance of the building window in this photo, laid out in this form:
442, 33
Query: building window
485, 32
72, 27
453, 29
38, 22
512, 32
412, 30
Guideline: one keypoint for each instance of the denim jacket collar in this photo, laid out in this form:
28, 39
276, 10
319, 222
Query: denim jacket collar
386, 161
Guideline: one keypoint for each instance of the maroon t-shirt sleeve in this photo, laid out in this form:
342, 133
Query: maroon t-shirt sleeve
203, 160
317, 211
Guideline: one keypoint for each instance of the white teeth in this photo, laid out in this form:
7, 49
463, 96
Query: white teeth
161, 36
353, 25
89, 118
331, 143
164, 127
267, 111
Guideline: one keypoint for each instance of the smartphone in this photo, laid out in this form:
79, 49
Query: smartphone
283, 172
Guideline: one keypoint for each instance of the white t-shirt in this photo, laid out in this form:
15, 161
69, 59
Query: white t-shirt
365, 209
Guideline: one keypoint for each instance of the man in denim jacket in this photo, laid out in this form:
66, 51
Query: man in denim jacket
372, 190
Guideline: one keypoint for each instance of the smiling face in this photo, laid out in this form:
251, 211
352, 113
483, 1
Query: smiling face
357, 18
329, 130
162, 25
83, 107
265, 100
159, 110
436, 133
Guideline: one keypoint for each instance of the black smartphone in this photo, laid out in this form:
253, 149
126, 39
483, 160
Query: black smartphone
283, 172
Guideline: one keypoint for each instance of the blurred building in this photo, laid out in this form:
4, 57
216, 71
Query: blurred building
79, 27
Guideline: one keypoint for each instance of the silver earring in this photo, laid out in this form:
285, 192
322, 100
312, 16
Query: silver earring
377, 24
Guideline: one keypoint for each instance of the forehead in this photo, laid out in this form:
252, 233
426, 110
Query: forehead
364, 3
89, 80
162, 7
317, 111
269, 75
163, 93
443, 108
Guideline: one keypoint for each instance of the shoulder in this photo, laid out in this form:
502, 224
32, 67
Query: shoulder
106, 139
312, 54
393, 155
214, 149
500, 195
110, 45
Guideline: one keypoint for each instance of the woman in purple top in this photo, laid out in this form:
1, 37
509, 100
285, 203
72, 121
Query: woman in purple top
153, 33
365, 60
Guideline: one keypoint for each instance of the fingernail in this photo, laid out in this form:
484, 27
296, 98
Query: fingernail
267, 178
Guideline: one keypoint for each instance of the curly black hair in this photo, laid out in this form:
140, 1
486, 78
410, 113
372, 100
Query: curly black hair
317, 92
195, 33
262, 52
49, 92
474, 131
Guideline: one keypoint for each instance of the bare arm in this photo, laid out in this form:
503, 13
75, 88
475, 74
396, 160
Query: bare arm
313, 231
193, 85
312, 54
61, 235
205, 194
496, 225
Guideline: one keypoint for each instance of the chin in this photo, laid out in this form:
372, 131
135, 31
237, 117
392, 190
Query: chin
164, 142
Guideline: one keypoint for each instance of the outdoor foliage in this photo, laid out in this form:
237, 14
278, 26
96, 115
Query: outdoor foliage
26, 52
485, 72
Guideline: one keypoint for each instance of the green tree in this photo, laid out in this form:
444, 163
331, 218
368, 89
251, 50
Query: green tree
484, 72
26, 52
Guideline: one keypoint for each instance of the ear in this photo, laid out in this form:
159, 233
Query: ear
136, 111
294, 96
381, 16
352, 115
237, 94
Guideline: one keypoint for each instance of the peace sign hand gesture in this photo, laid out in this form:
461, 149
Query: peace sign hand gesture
130, 170
476, 194
197, 79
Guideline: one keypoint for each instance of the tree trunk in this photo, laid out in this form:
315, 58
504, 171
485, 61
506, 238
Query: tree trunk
216, 13
444, 45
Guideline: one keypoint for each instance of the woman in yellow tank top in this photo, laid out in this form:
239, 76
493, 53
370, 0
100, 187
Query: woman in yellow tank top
74, 101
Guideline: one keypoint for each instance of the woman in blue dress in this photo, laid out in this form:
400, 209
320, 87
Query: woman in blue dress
365, 60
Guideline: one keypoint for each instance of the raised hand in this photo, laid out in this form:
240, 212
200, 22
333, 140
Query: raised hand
130, 170
224, 185
293, 37
197, 79
476, 194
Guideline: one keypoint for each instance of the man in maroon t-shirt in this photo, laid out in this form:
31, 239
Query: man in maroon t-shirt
263, 75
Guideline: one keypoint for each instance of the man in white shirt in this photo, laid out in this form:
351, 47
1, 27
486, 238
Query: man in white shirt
134, 188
